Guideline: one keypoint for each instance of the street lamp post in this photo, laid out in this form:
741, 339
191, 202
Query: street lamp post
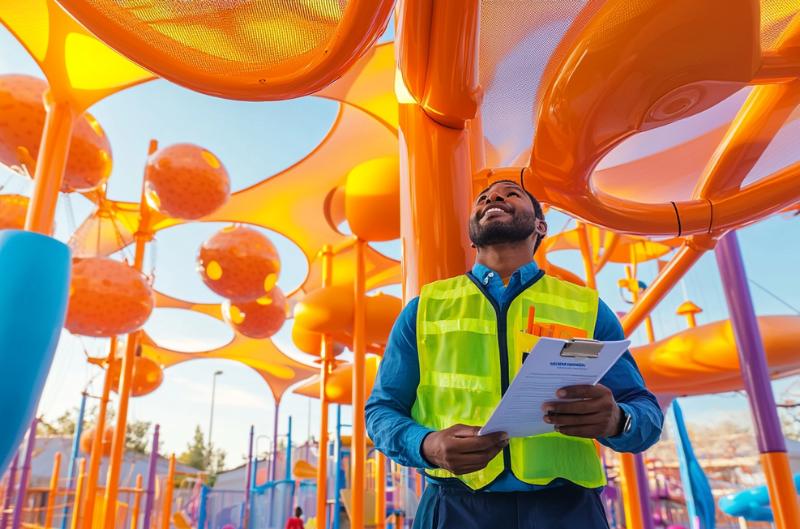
211, 418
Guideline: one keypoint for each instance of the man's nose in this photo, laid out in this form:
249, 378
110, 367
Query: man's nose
496, 197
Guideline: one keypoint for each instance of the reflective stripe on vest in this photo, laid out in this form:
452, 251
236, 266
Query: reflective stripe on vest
468, 353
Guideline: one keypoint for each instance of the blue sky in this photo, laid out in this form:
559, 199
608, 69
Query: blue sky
283, 132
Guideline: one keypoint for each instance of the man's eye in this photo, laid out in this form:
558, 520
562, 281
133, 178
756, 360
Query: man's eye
513, 194
481, 199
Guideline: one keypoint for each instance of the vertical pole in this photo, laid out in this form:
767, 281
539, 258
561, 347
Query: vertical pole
141, 237
151, 480
118, 443
96, 454
211, 414
246, 511
359, 444
168, 488
73, 456
380, 490
274, 461
337, 505
50, 164
289, 451
16, 521
635, 493
76, 509
201, 517
10, 488
586, 254
137, 500
325, 368
53, 492
755, 372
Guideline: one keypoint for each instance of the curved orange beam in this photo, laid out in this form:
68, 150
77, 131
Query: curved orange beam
580, 119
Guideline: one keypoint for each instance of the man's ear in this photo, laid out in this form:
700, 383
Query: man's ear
541, 227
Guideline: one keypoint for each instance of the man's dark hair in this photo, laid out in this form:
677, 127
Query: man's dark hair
298, 512
538, 212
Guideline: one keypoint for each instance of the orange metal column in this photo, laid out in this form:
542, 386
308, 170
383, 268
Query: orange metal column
51, 497
166, 511
358, 453
586, 254
137, 500
50, 164
630, 492
380, 490
435, 200
96, 454
142, 236
76, 503
327, 359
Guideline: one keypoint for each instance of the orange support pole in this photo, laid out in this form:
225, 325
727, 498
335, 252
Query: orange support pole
327, 359
76, 504
630, 492
96, 454
359, 444
51, 496
586, 254
142, 236
782, 495
50, 164
137, 499
166, 511
380, 490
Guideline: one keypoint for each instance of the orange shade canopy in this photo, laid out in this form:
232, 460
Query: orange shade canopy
239, 263
186, 181
704, 359
21, 125
107, 298
147, 375
260, 318
13, 209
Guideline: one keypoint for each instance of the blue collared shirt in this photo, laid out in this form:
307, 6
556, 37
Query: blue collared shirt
388, 409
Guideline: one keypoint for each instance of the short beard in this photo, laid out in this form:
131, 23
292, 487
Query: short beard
522, 226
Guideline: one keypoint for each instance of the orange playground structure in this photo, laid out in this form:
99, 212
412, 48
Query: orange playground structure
657, 128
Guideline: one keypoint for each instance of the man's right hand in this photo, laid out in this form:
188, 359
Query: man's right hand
461, 450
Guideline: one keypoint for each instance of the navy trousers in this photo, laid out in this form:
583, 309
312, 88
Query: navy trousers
564, 507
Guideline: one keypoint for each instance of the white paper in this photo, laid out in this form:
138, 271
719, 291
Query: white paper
544, 372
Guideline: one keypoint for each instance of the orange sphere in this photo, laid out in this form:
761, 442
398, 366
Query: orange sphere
87, 439
21, 125
147, 375
13, 209
107, 298
185, 181
239, 263
261, 318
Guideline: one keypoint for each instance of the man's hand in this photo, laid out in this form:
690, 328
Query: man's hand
595, 415
460, 450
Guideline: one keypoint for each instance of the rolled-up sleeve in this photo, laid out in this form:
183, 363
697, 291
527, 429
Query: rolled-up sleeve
626, 383
388, 409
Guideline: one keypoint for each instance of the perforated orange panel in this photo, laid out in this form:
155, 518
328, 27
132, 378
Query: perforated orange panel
241, 49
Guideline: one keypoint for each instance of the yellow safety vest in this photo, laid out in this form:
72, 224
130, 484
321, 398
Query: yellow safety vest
469, 350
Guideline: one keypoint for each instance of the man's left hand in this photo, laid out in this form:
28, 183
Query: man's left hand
595, 415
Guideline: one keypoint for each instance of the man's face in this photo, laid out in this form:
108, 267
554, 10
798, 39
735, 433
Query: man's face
501, 214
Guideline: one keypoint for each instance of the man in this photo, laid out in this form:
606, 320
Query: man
451, 356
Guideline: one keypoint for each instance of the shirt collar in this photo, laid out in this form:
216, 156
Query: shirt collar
526, 272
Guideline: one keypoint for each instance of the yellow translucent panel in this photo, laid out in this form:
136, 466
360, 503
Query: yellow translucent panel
91, 65
230, 37
26, 21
